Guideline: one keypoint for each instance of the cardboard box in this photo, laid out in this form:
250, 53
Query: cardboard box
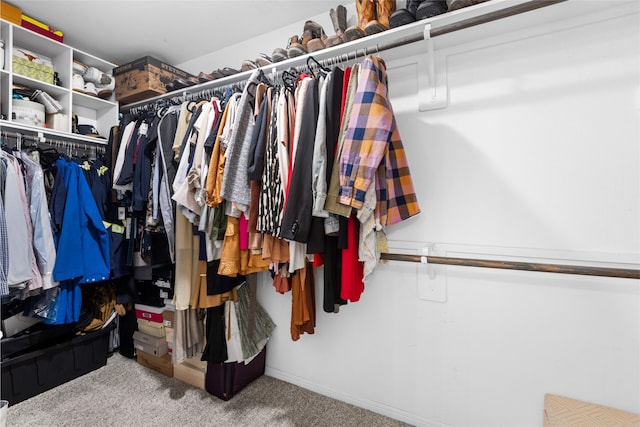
151, 328
168, 318
10, 13
191, 371
168, 335
150, 344
160, 364
144, 78
33, 70
148, 312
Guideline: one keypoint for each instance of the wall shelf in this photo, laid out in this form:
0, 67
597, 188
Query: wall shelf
101, 113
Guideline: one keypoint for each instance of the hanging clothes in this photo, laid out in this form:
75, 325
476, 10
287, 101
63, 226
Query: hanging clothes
373, 151
18, 236
235, 181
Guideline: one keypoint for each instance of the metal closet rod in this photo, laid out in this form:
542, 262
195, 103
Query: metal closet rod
70, 143
350, 51
625, 273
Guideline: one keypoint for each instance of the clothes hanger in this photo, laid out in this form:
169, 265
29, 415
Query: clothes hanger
289, 79
321, 68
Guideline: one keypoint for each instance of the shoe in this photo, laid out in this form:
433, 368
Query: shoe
428, 9
295, 47
204, 77
314, 45
105, 91
401, 17
339, 20
79, 67
96, 76
383, 10
247, 66
279, 54
313, 36
77, 83
90, 89
366, 13
412, 5
228, 71
459, 4
263, 60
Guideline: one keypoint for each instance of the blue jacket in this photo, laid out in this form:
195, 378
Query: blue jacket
83, 241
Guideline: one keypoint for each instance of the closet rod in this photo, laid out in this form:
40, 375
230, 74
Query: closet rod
625, 273
411, 33
71, 143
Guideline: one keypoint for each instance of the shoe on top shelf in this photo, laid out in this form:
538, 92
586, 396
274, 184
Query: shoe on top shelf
105, 91
77, 83
90, 89
79, 67
96, 76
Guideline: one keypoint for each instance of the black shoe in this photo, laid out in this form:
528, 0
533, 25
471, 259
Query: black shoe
427, 9
401, 17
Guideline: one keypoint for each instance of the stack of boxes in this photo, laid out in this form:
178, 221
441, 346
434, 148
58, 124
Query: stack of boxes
150, 340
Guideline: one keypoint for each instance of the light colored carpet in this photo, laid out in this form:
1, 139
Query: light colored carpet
125, 393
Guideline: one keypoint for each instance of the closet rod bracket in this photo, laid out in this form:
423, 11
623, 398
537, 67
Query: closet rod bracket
432, 76
431, 286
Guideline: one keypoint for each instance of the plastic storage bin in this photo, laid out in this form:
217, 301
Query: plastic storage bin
32, 373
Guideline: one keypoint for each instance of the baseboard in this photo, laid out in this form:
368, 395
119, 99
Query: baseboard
370, 405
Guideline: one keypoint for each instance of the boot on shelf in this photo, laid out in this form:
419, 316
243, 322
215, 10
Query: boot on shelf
313, 36
428, 9
384, 9
339, 20
366, 13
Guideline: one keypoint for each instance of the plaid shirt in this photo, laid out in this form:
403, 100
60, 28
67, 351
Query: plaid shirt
373, 151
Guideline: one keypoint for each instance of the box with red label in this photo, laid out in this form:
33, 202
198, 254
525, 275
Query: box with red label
147, 312
41, 28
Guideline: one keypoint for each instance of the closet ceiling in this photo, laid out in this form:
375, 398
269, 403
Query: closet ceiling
173, 31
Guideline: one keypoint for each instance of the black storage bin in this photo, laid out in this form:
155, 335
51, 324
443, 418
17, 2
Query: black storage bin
224, 380
32, 373
35, 338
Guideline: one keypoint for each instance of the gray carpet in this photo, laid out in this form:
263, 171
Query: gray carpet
125, 393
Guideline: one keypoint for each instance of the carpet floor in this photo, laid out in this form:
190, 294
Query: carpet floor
125, 393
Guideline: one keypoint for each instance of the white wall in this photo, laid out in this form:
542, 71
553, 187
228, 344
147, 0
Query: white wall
537, 155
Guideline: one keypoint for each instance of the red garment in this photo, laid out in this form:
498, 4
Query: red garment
352, 268
243, 232
345, 86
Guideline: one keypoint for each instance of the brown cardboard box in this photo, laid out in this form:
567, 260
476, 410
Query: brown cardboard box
168, 317
10, 13
160, 364
191, 371
144, 78
565, 411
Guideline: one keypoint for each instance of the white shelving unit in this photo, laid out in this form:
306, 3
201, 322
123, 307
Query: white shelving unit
102, 113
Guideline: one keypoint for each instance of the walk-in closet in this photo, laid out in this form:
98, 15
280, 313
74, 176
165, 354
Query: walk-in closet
368, 212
